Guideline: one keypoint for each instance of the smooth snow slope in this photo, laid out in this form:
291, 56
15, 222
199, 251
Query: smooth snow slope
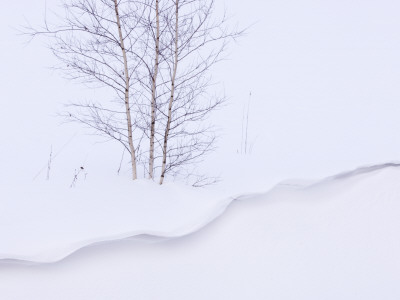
43, 223
336, 239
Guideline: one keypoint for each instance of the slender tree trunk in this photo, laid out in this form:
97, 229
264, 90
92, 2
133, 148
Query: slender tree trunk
153, 95
171, 100
127, 105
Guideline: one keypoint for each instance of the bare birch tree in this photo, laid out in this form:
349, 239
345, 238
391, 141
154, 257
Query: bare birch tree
156, 56
196, 41
126, 96
171, 100
153, 92
96, 42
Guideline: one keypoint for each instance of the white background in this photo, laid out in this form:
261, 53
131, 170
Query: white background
324, 78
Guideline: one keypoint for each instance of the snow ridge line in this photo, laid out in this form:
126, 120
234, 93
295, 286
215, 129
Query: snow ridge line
356, 172
58, 255
61, 254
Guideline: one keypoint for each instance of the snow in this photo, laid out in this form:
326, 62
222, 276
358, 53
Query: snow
336, 238
40, 223
324, 82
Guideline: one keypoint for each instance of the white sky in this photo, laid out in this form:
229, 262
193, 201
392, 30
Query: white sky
324, 77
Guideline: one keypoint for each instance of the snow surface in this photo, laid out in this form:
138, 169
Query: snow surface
325, 98
337, 238
43, 223
323, 76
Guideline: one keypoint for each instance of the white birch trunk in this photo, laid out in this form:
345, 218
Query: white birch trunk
127, 104
153, 95
171, 100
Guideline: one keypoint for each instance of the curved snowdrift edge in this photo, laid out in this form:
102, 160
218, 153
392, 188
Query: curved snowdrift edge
218, 210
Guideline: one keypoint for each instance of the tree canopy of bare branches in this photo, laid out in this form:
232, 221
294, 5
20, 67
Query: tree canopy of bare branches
156, 57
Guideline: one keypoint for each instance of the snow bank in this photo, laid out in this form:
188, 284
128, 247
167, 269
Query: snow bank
334, 239
40, 223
